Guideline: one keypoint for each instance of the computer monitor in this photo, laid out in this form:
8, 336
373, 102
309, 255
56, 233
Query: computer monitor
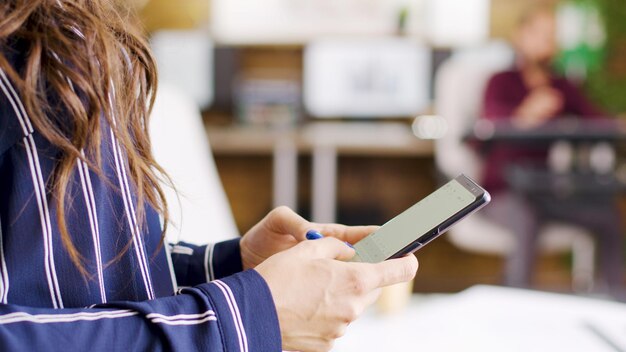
366, 78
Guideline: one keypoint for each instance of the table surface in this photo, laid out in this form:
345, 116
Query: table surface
487, 318
348, 138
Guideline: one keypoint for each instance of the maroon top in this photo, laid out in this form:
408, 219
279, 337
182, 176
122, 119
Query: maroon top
505, 93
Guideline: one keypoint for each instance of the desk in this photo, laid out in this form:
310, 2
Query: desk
325, 141
486, 318
581, 165
564, 129
595, 167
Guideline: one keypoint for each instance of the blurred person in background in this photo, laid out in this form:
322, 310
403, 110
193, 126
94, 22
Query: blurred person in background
83, 263
529, 95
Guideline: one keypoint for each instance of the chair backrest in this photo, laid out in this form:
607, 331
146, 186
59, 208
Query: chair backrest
459, 88
200, 211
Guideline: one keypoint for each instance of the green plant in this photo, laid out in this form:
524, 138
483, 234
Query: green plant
607, 82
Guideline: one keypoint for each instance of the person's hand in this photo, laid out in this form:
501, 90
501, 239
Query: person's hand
539, 106
317, 295
282, 229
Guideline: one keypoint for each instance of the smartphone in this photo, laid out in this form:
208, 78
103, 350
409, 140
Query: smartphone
423, 222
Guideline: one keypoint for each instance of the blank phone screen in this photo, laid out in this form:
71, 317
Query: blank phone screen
413, 223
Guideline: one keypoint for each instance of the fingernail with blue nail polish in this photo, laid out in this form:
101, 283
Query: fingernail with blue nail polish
349, 245
313, 235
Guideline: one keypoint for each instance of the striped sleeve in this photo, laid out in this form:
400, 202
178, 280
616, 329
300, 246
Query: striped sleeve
232, 314
194, 265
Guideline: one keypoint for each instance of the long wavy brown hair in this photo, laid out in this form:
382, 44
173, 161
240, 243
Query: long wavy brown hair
85, 51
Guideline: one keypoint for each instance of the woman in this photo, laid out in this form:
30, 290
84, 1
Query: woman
82, 260
530, 95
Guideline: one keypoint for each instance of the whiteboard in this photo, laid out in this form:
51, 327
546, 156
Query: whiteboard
384, 77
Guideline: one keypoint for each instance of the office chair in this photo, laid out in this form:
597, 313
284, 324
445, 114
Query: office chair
459, 88
200, 212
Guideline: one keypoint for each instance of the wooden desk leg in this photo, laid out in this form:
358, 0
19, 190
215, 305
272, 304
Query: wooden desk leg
285, 169
324, 192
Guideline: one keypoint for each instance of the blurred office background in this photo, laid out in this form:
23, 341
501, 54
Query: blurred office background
352, 111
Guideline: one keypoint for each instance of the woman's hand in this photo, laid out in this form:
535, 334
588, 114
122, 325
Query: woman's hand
317, 295
541, 105
282, 229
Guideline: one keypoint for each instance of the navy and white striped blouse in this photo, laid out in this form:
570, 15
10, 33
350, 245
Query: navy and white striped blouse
129, 303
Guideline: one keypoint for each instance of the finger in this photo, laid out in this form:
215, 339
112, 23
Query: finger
328, 248
394, 271
351, 234
285, 220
